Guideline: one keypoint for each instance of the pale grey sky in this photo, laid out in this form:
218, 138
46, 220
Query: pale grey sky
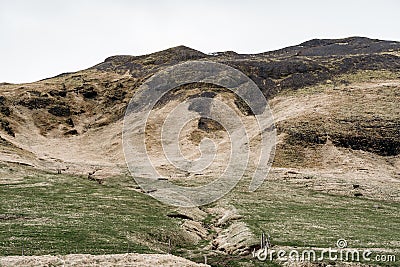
43, 38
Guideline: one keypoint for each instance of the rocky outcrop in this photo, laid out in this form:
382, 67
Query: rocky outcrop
226, 233
237, 239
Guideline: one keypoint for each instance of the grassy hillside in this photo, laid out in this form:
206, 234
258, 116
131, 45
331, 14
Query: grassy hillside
335, 175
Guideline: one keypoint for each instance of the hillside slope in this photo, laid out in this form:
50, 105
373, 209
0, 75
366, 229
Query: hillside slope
74, 120
336, 110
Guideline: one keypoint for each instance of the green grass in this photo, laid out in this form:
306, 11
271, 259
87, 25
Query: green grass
44, 213
59, 214
298, 217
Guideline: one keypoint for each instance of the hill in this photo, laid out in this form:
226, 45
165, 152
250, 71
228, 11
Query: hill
337, 115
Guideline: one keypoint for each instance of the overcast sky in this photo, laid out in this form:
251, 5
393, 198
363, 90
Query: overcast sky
43, 38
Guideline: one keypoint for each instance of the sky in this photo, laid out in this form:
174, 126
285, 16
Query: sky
43, 38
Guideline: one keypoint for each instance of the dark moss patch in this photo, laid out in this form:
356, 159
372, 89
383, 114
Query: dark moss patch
376, 136
117, 95
386, 146
36, 102
3, 108
70, 122
89, 93
243, 107
71, 132
5, 111
87, 90
60, 111
60, 93
5, 125
209, 125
